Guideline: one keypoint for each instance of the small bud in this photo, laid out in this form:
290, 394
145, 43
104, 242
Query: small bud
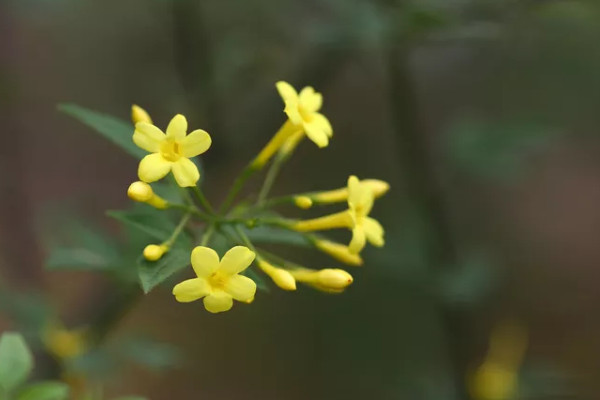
280, 277
339, 252
303, 202
154, 252
140, 191
334, 279
138, 114
378, 187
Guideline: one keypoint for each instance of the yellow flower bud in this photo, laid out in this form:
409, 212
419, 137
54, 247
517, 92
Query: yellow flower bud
142, 192
280, 277
338, 220
303, 202
338, 251
493, 382
378, 187
64, 343
154, 252
335, 279
138, 114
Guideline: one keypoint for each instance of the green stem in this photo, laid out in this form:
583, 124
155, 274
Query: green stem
237, 186
191, 210
203, 200
207, 235
178, 229
270, 179
244, 238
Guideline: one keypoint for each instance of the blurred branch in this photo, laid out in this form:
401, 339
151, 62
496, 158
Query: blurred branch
424, 194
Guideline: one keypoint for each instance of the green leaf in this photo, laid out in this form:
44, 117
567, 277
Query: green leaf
45, 391
153, 273
78, 259
267, 234
16, 361
116, 130
155, 224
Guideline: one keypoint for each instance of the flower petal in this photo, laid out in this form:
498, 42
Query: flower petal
236, 260
153, 167
191, 290
286, 91
374, 231
197, 142
360, 196
358, 240
177, 127
218, 301
148, 137
240, 287
205, 261
315, 132
186, 173
322, 121
293, 112
310, 100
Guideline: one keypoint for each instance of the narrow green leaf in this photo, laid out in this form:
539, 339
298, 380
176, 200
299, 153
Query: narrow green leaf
116, 130
153, 273
45, 391
267, 234
16, 361
155, 224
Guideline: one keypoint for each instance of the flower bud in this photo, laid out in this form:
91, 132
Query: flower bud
334, 279
138, 114
378, 187
142, 192
280, 277
303, 202
154, 252
338, 251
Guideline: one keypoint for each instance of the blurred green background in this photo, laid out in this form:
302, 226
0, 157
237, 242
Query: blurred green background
482, 115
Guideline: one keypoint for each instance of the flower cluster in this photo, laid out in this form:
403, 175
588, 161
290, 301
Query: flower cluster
220, 280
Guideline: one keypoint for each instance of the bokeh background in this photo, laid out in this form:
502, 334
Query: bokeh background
482, 115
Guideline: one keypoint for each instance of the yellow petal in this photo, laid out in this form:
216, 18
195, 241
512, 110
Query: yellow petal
310, 100
153, 167
314, 131
323, 123
205, 261
185, 172
148, 137
240, 287
236, 260
218, 301
177, 127
360, 196
191, 290
138, 114
373, 231
286, 91
358, 240
293, 112
197, 142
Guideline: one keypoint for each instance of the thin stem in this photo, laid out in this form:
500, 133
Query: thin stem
270, 179
191, 210
203, 200
244, 238
207, 235
178, 229
237, 186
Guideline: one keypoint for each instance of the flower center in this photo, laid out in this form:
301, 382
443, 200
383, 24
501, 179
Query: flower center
217, 280
170, 150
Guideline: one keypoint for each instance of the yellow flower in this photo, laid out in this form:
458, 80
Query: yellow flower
378, 187
356, 218
302, 110
338, 251
360, 202
171, 151
64, 343
218, 281
138, 114
328, 280
154, 252
143, 193
280, 277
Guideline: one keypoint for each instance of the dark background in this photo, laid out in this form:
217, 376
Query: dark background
482, 115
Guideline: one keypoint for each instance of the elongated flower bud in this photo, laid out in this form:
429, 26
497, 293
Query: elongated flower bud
138, 114
328, 280
154, 252
338, 251
339, 220
276, 142
280, 277
378, 187
142, 192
